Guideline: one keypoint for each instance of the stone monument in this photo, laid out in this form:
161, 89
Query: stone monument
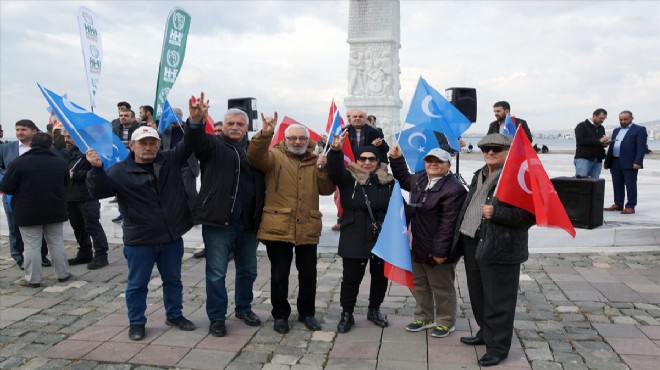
374, 39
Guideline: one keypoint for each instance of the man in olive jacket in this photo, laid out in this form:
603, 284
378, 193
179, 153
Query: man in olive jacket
295, 178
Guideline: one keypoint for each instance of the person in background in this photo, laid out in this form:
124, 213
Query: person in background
147, 116
501, 110
436, 197
493, 238
590, 144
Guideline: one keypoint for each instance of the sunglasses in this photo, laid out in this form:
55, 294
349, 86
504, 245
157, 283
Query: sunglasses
495, 149
370, 159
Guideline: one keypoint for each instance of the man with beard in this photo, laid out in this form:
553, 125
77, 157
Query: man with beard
501, 110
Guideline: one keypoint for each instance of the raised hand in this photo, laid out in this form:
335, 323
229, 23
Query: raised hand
93, 158
377, 142
198, 108
269, 124
395, 152
338, 141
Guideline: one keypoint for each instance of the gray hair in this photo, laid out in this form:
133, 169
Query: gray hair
295, 125
238, 112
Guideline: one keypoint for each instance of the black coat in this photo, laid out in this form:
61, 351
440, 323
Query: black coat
587, 141
504, 238
220, 165
494, 128
37, 180
357, 238
77, 191
155, 209
432, 220
371, 133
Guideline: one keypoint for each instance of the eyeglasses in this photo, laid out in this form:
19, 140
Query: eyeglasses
297, 138
495, 149
370, 159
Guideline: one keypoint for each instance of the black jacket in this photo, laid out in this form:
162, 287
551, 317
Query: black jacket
504, 238
587, 141
220, 166
371, 134
494, 128
77, 191
155, 209
37, 181
432, 220
357, 237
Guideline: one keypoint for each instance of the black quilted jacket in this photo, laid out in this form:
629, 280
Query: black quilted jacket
503, 238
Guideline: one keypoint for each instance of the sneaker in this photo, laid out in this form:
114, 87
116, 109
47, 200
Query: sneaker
419, 325
97, 263
442, 331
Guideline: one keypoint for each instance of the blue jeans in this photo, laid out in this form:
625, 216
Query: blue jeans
587, 167
141, 260
218, 242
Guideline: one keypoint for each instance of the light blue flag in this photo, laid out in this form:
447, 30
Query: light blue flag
430, 108
415, 142
168, 117
509, 126
393, 244
87, 129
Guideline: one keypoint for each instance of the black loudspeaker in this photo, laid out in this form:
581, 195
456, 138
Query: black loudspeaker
248, 105
465, 100
583, 200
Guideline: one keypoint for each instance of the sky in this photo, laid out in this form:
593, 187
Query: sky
555, 62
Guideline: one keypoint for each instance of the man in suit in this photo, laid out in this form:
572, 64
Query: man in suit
25, 129
501, 109
624, 158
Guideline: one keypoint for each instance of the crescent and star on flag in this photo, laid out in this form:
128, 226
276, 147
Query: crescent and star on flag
426, 108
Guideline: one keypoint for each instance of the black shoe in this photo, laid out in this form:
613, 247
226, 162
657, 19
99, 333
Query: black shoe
490, 360
346, 322
218, 328
374, 315
20, 264
310, 322
181, 323
78, 260
97, 263
45, 262
65, 279
281, 326
473, 341
26, 283
136, 332
200, 254
117, 219
249, 318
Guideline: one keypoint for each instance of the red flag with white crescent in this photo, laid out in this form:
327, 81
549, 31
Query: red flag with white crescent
525, 184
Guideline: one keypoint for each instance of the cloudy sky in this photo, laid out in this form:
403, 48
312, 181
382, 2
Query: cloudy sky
554, 61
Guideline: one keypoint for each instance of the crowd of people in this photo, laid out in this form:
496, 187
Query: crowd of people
254, 192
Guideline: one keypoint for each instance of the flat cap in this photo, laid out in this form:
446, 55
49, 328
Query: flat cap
500, 140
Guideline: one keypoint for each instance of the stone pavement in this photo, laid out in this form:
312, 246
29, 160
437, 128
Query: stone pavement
575, 311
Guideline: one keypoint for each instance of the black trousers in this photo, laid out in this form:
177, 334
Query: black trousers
84, 219
352, 275
280, 255
493, 294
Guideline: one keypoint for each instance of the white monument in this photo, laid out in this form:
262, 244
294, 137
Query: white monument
374, 38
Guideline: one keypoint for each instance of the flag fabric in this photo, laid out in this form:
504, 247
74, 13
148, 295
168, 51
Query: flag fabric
208, 128
430, 108
92, 50
331, 116
336, 128
525, 184
393, 244
509, 125
281, 128
415, 142
171, 60
87, 129
168, 117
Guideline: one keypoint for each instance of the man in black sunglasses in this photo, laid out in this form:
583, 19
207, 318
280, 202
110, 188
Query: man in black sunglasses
501, 110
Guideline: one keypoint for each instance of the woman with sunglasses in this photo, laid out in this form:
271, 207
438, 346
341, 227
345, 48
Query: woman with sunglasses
436, 196
365, 187
492, 236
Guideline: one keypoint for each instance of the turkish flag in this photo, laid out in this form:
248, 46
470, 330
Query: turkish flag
525, 184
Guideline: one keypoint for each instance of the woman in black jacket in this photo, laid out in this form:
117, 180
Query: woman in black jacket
493, 237
436, 196
365, 188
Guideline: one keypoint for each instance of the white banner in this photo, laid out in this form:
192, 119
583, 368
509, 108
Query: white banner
92, 48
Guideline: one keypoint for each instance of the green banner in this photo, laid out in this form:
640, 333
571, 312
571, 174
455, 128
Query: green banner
171, 60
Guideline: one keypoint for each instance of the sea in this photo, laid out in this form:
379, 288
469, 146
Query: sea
562, 145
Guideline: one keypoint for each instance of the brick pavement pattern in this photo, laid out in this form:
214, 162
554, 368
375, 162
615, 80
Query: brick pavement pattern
575, 311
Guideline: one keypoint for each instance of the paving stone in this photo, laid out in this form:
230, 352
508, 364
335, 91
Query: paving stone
545, 365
